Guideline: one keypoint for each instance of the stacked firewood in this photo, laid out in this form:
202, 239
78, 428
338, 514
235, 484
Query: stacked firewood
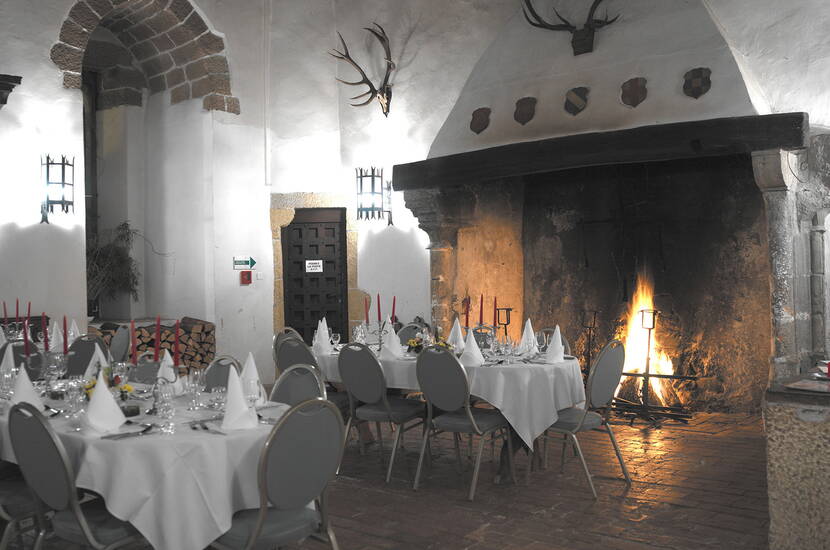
197, 340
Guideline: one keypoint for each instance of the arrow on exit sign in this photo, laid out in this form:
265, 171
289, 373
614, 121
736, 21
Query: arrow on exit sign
243, 262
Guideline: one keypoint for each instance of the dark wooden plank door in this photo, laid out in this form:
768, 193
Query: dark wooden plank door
315, 271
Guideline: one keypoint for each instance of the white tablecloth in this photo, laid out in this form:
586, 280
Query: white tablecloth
179, 491
528, 395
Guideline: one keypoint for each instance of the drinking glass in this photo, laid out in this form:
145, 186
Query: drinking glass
335, 338
218, 395
252, 392
359, 334
195, 384
166, 409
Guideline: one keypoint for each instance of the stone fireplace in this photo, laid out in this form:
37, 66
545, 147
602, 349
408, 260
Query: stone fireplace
708, 210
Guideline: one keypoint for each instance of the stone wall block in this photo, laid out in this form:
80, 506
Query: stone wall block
214, 102
127, 39
187, 53
147, 12
72, 81
157, 65
82, 14
142, 32
180, 93
233, 105
73, 34
144, 50
162, 43
157, 84
211, 43
180, 35
114, 98
66, 57
175, 77
101, 7
181, 8
120, 26
163, 21
120, 77
216, 64
196, 70
195, 24
220, 84
103, 55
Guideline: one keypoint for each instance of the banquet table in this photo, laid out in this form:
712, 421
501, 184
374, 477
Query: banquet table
181, 490
529, 395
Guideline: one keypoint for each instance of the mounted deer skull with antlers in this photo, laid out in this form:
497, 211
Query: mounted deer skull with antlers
382, 93
583, 39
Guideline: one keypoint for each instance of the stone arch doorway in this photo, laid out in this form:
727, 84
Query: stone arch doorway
162, 45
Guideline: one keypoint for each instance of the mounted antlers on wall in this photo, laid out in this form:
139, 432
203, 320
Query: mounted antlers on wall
382, 93
583, 39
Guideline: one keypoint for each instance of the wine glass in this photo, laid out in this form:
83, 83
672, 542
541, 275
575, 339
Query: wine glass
218, 395
252, 392
335, 338
195, 385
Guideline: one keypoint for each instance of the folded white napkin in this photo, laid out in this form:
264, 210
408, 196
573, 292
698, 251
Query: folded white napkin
169, 372
528, 344
249, 372
238, 416
55, 337
456, 339
472, 356
103, 414
322, 344
2, 337
8, 361
556, 350
74, 332
391, 348
24, 391
97, 360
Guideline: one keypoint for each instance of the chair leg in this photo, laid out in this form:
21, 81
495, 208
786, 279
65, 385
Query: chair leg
457, 439
39, 540
345, 442
424, 442
619, 454
360, 445
8, 534
509, 437
564, 447
545, 450
332, 539
380, 440
584, 464
394, 452
481, 442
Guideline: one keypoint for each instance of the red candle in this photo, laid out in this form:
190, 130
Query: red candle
157, 348
467, 312
133, 343
394, 299
65, 337
495, 313
17, 313
5, 316
26, 338
366, 308
45, 330
481, 311
176, 346
29, 311
378, 308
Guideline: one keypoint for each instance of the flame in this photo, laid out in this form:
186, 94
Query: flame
636, 341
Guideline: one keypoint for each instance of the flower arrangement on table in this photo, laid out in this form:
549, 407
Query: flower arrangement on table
124, 388
416, 345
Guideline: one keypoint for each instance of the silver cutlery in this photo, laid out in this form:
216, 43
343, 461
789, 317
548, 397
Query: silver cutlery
120, 436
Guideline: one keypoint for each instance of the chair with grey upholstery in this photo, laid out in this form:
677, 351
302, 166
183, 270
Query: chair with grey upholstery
18, 347
281, 336
120, 344
146, 371
408, 332
16, 504
81, 352
444, 382
296, 384
48, 473
216, 374
363, 377
602, 383
484, 335
548, 332
292, 352
297, 463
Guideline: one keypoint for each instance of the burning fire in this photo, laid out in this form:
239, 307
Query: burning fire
635, 338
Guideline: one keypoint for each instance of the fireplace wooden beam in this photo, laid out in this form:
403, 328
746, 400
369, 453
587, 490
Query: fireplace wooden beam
705, 138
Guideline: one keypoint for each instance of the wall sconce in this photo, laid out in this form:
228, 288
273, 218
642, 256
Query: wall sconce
60, 186
7, 84
374, 198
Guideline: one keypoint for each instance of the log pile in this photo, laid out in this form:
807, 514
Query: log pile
197, 340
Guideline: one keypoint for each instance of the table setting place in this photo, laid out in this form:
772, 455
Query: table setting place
103, 405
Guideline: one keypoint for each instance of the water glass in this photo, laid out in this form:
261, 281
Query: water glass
195, 385
335, 338
218, 394
253, 391
359, 334
166, 408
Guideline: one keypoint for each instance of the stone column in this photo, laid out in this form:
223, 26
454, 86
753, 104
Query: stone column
778, 186
818, 297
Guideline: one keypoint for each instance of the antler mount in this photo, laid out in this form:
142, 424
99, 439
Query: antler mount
582, 40
383, 92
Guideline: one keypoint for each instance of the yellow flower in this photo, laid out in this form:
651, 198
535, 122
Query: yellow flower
127, 388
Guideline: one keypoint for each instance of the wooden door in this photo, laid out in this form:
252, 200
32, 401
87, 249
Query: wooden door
315, 272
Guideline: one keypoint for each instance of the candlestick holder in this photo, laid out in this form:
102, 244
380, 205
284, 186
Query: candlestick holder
503, 318
379, 332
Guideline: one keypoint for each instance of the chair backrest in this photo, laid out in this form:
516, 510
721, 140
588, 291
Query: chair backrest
145, 372
605, 374
216, 374
294, 352
120, 344
409, 332
35, 363
442, 379
301, 455
41, 457
286, 333
484, 335
548, 332
361, 373
297, 384
82, 350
